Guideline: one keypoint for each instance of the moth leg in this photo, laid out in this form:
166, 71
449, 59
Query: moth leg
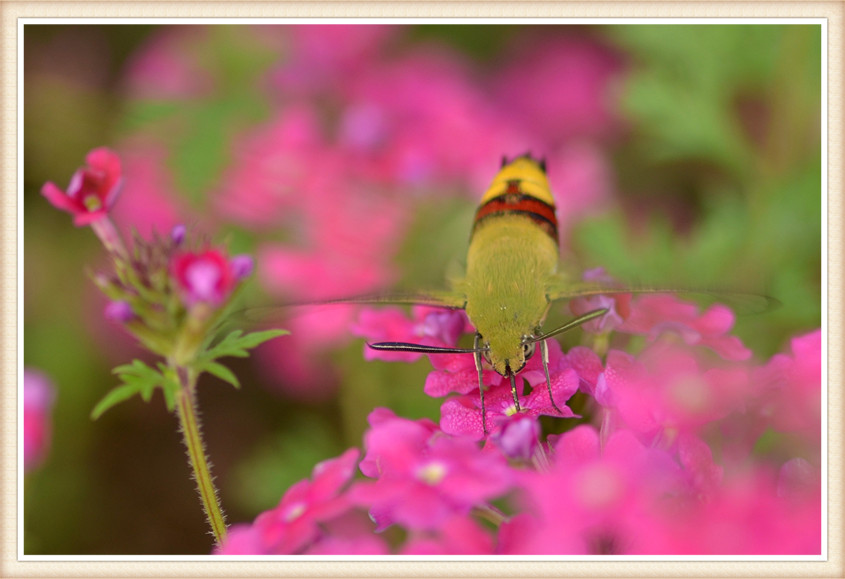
477, 356
544, 348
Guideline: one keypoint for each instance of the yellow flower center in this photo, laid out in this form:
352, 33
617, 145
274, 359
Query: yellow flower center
432, 473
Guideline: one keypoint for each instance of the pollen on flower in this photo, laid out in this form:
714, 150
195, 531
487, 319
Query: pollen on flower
691, 393
432, 473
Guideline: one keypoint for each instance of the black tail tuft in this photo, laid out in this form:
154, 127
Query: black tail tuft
541, 162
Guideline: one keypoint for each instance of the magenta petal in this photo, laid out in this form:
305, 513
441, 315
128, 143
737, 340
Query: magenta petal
460, 417
81, 219
579, 445
330, 475
106, 161
58, 198
440, 383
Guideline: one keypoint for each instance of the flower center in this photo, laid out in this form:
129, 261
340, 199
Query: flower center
203, 278
599, 487
92, 203
432, 473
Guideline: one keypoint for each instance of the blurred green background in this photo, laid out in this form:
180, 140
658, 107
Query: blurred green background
717, 182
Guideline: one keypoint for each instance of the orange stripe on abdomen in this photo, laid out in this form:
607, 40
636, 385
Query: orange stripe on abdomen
514, 202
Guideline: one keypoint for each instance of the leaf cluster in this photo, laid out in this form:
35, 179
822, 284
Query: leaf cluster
141, 379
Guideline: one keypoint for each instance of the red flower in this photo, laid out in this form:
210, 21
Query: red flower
92, 190
209, 276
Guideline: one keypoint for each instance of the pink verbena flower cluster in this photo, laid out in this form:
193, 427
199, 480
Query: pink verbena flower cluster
685, 448
156, 284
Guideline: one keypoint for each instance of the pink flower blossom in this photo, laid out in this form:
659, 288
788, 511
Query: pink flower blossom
462, 415
92, 191
167, 67
789, 386
652, 315
457, 372
273, 170
38, 398
150, 201
518, 437
207, 276
594, 500
560, 86
667, 391
429, 326
618, 305
424, 477
118, 312
294, 524
457, 536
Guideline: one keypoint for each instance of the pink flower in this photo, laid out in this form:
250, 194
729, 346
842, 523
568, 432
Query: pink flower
208, 276
294, 524
92, 191
667, 391
570, 78
752, 513
424, 477
429, 326
462, 415
348, 534
518, 437
149, 200
652, 315
789, 387
168, 67
38, 398
118, 311
273, 169
618, 305
594, 500
457, 536
457, 372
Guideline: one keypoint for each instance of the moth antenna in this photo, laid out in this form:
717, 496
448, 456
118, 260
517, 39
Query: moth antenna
572, 324
504, 161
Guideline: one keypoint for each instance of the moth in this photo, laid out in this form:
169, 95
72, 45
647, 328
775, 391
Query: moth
512, 279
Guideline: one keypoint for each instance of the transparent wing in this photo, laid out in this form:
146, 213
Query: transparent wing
436, 298
739, 301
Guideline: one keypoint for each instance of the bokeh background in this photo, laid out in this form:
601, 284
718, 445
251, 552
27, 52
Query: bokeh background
349, 159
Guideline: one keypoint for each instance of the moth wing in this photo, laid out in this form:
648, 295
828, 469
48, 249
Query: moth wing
438, 298
560, 288
435, 298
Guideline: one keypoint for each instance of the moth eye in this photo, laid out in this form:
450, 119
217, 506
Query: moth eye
528, 349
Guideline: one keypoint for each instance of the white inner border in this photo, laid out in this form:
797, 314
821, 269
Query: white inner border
519, 21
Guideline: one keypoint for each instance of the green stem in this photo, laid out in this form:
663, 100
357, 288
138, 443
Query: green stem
191, 430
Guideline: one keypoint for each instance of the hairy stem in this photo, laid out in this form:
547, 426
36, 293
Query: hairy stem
191, 431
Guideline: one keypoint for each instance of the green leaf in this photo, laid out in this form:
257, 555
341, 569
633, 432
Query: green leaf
170, 386
144, 378
221, 372
237, 345
138, 378
116, 396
